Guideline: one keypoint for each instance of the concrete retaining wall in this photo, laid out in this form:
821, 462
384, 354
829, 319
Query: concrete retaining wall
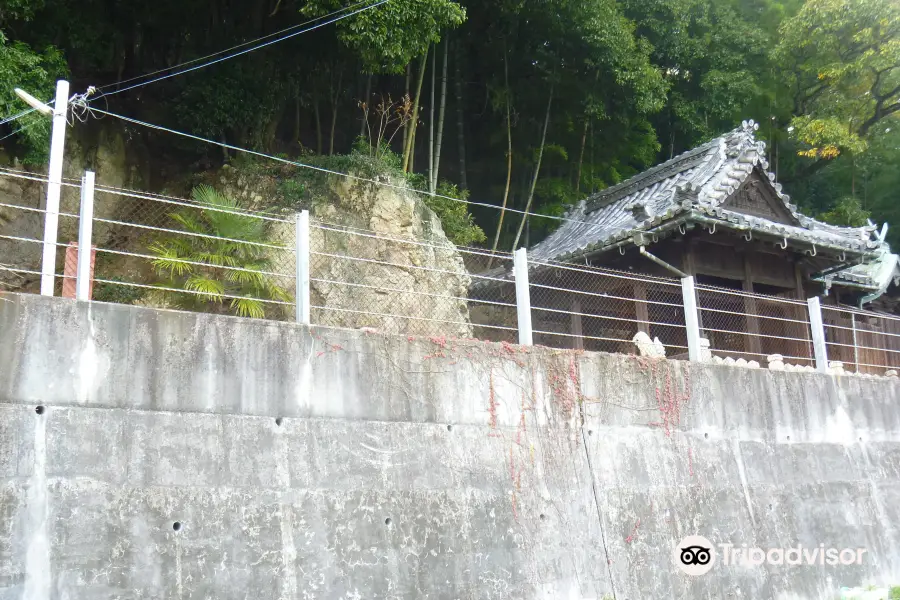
300, 463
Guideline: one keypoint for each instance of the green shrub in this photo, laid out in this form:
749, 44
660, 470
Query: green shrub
194, 263
304, 188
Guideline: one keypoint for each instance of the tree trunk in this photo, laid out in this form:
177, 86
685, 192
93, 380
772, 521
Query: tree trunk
509, 155
441, 113
587, 122
537, 170
406, 94
297, 116
224, 149
335, 98
412, 151
318, 122
415, 117
431, 126
460, 121
591, 171
362, 126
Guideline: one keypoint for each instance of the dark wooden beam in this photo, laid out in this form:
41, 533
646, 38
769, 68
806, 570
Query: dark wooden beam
752, 341
577, 333
640, 307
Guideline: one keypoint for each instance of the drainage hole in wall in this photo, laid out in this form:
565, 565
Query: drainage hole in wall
176, 526
860, 439
590, 432
39, 410
706, 436
543, 517
449, 427
387, 521
279, 421
788, 438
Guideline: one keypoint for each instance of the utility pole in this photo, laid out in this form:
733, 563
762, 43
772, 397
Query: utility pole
54, 178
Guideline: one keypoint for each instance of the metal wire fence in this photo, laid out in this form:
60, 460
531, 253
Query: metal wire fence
205, 255
22, 218
865, 342
751, 326
398, 285
587, 308
211, 254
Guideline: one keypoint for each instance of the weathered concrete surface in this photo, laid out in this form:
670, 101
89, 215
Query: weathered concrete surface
333, 464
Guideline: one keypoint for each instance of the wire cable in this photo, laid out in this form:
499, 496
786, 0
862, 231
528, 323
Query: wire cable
246, 51
241, 45
323, 170
16, 116
19, 130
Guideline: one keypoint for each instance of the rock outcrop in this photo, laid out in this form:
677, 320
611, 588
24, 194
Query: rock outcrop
410, 279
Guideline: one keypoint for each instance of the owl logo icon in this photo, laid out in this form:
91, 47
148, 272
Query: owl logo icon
694, 555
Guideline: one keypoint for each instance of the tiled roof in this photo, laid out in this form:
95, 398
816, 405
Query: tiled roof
876, 274
693, 187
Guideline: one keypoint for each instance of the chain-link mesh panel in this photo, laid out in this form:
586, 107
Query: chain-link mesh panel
754, 326
361, 279
867, 343
22, 218
492, 296
207, 256
595, 309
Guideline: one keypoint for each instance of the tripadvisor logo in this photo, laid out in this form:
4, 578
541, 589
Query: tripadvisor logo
695, 555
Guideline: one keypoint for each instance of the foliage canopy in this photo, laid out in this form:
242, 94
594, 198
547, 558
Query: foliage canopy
633, 82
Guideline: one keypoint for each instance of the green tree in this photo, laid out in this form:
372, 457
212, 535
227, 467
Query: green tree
388, 37
713, 56
223, 262
841, 62
33, 70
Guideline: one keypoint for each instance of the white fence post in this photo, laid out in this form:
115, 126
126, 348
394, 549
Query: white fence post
85, 231
818, 334
691, 321
302, 260
54, 186
523, 296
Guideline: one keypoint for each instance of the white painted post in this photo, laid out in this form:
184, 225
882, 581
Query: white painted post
818, 334
691, 320
523, 296
54, 185
302, 283
85, 232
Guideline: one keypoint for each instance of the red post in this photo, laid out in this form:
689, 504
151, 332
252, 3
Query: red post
71, 270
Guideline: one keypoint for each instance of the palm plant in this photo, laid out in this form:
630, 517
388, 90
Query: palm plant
222, 261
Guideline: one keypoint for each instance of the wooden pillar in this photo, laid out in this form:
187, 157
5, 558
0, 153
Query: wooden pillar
752, 342
687, 265
798, 330
577, 333
640, 307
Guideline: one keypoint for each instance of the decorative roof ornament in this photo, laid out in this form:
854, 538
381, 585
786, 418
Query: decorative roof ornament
699, 183
641, 211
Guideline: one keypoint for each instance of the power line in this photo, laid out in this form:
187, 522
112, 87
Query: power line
14, 117
248, 50
19, 130
241, 45
323, 170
